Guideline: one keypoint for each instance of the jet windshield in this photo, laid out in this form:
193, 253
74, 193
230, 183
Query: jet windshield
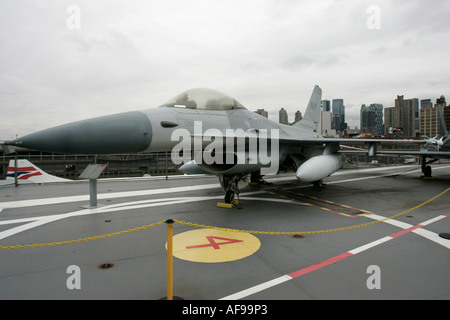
205, 99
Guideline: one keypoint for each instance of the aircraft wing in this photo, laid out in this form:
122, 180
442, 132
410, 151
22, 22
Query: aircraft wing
302, 141
430, 154
348, 140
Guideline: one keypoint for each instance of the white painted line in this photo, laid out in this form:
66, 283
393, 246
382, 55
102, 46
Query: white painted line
393, 222
42, 202
420, 231
22, 220
433, 237
28, 226
433, 220
48, 201
370, 245
258, 288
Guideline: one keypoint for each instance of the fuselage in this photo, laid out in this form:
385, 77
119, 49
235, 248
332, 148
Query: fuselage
211, 121
152, 130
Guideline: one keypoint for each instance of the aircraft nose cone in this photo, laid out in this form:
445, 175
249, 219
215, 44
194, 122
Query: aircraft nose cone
118, 133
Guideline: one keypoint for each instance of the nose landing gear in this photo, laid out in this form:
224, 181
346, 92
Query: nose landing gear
229, 196
231, 184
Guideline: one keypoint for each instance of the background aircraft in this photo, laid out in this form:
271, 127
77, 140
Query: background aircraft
442, 147
27, 173
219, 128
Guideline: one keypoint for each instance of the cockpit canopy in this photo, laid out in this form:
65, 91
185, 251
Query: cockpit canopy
204, 99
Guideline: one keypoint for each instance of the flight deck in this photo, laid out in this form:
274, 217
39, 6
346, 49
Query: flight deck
295, 242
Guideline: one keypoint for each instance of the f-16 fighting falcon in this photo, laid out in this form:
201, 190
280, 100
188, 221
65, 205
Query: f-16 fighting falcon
207, 132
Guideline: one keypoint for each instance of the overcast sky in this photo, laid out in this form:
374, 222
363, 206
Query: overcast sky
62, 61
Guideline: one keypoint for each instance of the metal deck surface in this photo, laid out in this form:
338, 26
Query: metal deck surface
400, 258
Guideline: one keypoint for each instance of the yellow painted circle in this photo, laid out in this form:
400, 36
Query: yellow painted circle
211, 246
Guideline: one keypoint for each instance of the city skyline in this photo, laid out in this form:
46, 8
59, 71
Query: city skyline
273, 111
378, 118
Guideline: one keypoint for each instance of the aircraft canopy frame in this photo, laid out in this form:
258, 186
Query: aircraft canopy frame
203, 99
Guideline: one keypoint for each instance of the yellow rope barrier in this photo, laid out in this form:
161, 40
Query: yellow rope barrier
83, 239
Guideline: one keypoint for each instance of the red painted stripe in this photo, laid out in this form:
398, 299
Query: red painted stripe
22, 169
343, 256
26, 176
320, 265
400, 233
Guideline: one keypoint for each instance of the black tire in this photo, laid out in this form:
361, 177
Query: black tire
427, 171
229, 196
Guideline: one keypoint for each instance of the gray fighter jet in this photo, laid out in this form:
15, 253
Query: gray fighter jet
209, 133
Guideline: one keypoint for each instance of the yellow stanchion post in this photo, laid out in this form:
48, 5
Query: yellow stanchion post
169, 259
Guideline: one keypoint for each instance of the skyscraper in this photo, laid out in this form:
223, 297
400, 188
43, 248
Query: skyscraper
429, 117
404, 115
445, 112
441, 101
298, 116
429, 121
339, 110
389, 121
262, 112
426, 104
326, 105
283, 117
372, 119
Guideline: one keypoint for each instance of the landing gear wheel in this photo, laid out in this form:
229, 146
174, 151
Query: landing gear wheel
426, 168
255, 177
229, 196
319, 185
427, 171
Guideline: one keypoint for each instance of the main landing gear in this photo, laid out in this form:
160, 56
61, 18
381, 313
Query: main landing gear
319, 185
232, 183
426, 168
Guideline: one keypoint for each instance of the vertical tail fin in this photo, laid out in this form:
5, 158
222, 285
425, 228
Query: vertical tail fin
445, 139
29, 173
311, 118
442, 124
